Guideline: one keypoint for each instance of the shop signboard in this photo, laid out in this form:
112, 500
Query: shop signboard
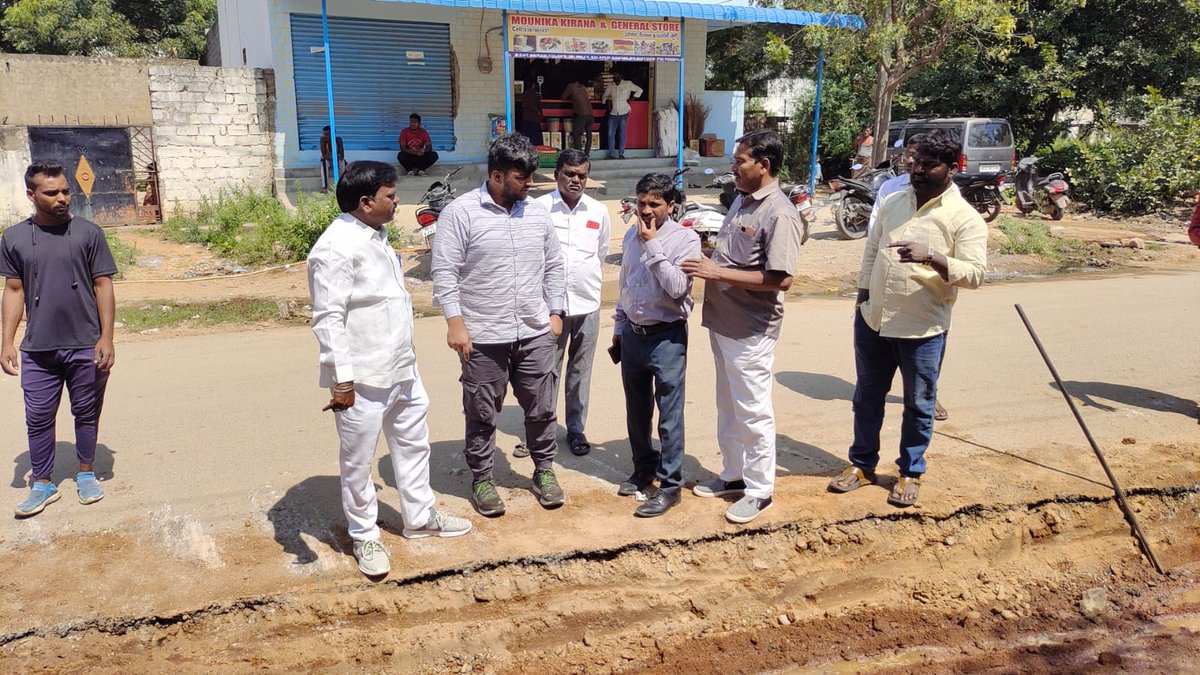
593, 38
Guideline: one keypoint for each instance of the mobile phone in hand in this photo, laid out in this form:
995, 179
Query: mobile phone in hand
614, 352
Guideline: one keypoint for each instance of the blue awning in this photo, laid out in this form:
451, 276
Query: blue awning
722, 15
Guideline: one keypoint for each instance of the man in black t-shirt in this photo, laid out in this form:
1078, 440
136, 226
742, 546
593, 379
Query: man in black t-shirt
58, 272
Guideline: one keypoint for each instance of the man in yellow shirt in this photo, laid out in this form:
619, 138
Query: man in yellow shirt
927, 243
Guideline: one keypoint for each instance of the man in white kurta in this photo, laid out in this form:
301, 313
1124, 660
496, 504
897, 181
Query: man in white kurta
363, 320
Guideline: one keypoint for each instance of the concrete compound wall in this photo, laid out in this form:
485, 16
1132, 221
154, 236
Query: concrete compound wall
213, 131
213, 128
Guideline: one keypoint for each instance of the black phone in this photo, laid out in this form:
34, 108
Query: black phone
614, 352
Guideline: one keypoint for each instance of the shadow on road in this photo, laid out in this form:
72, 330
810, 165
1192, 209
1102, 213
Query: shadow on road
1137, 397
797, 458
822, 387
314, 507
66, 464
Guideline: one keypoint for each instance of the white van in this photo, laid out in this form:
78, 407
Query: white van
987, 141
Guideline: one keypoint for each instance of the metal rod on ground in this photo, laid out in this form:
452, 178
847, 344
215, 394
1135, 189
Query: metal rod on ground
1143, 542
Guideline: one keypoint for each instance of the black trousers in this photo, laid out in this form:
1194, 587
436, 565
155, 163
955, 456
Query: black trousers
412, 162
581, 132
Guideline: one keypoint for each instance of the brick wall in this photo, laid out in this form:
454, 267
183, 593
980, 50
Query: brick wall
213, 131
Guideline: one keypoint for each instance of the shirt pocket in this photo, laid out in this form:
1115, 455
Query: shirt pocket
745, 249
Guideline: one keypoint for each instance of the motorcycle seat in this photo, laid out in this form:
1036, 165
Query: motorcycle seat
969, 179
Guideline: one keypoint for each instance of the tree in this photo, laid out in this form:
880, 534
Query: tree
157, 28
69, 27
906, 36
1077, 55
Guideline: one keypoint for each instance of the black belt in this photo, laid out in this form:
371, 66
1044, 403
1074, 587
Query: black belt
653, 328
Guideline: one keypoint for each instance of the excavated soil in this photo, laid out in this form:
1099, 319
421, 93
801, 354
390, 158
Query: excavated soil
983, 589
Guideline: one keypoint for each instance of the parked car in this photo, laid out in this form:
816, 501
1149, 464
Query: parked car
987, 141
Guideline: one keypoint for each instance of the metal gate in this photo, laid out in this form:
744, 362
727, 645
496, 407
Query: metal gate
111, 170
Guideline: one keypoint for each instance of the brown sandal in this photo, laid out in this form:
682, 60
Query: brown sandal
850, 479
904, 492
939, 413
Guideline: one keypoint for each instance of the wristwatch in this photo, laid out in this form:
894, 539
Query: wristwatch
557, 312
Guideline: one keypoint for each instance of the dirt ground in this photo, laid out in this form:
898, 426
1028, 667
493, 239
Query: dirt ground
220, 546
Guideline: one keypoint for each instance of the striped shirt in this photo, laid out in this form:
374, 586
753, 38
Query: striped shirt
502, 271
653, 287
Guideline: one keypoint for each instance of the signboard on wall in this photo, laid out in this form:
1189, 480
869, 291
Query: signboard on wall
593, 38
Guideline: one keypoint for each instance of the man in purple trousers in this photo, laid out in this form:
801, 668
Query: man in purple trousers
58, 271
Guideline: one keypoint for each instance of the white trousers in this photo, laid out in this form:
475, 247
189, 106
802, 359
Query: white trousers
745, 414
399, 412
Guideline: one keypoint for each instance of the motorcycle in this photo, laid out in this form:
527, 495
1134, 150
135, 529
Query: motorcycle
853, 200
982, 191
1048, 193
439, 194
706, 220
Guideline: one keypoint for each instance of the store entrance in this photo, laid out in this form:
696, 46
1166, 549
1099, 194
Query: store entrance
554, 129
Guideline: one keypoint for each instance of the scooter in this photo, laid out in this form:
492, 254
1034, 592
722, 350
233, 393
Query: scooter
706, 220
853, 200
439, 194
1049, 193
982, 190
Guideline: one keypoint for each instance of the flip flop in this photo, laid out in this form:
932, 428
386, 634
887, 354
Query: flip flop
939, 413
850, 479
904, 492
580, 447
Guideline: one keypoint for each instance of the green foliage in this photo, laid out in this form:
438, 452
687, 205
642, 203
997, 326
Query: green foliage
844, 110
69, 27
164, 314
1071, 54
125, 255
131, 28
1031, 237
1138, 169
254, 228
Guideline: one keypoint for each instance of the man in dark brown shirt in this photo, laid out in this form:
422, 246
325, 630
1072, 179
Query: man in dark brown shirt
582, 119
744, 283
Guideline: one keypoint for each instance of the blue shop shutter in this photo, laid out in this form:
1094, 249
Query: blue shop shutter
382, 72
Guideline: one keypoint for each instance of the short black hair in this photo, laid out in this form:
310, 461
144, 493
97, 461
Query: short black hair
659, 183
514, 151
362, 179
941, 144
414, 116
765, 145
325, 128
571, 157
45, 168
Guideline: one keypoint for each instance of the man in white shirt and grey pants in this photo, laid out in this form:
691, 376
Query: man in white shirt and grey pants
584, 228
498, 277
363, 320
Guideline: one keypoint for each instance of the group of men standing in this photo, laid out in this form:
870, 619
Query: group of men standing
518, 281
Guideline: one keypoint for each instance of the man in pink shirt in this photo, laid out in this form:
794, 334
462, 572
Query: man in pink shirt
1194, 226
416, 148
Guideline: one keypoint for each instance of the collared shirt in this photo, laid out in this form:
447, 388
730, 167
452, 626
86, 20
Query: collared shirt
909, 300
584, 234
890, 187
501, 270
761, 232
653, 287
619, 95
362, 314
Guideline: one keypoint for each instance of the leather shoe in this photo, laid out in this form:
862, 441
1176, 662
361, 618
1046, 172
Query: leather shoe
634, 484
658, 503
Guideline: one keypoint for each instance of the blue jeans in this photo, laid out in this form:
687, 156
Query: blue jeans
652, 371
578, 344
876, 360
616, 134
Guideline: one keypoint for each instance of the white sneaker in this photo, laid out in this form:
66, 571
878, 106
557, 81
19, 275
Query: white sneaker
439, 525
372, 558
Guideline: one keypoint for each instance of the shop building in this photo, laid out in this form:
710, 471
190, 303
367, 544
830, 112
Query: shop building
462, 65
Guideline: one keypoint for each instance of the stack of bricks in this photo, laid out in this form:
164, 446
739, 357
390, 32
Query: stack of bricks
213, 132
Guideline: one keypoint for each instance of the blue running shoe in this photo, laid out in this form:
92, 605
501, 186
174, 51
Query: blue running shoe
89, 488
41, 495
